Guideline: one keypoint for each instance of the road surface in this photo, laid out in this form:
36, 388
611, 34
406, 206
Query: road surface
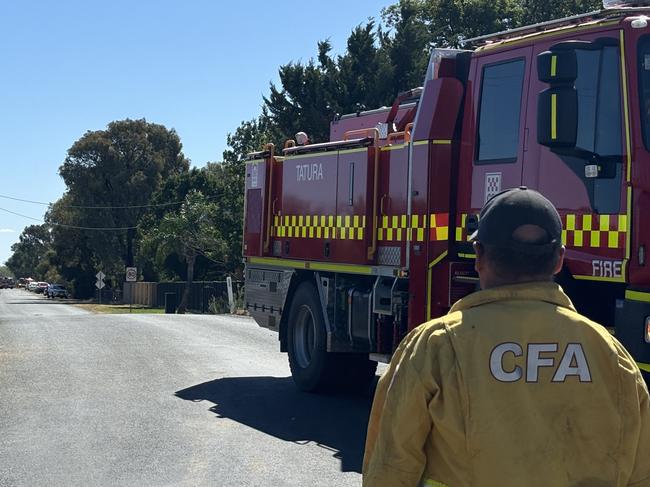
153, 400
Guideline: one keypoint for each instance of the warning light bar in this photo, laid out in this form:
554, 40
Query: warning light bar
624, 3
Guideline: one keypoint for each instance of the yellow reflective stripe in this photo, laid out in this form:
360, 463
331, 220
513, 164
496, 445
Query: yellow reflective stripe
317, 266
394, 147
553, 66
441, 142
637, 296
603, 279
644, 367
626, 110
628, 220
430, 280
554, 117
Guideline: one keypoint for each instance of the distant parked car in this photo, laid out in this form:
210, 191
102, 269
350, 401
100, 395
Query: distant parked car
56, 291
41, 287
32, 286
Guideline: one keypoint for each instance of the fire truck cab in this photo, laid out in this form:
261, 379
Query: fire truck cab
350, 244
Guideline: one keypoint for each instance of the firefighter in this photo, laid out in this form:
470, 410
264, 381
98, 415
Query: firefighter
513, 387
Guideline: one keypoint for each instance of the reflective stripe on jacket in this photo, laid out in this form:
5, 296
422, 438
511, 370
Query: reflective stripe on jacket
513, 387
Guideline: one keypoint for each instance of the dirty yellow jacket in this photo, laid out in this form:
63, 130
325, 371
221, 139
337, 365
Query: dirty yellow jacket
512, 388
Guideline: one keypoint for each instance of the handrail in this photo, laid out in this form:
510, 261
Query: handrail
370, 132
407, 131
405, 134
374, 133
267, 239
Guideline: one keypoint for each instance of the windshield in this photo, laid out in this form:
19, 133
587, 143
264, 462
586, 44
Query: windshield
644, 87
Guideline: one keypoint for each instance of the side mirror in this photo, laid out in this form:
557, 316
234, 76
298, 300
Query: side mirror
557, 117
557, 107
555, 67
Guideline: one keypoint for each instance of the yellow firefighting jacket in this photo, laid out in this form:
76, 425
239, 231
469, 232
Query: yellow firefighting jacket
512, 388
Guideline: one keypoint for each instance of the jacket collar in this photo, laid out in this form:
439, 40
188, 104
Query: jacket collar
549, 292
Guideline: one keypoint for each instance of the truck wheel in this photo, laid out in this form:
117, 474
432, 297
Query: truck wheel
311, 367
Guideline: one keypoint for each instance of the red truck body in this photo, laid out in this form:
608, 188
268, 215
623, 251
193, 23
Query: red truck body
374, 224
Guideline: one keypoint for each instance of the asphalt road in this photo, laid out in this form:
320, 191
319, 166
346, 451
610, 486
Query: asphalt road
149, 400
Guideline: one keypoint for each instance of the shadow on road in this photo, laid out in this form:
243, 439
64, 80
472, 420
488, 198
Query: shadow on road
274, 406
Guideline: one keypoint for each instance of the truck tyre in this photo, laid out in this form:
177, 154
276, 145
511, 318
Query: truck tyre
311, 366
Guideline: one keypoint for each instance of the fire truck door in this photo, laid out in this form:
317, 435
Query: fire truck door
501, 92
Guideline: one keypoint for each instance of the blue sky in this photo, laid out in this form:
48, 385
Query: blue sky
200, 67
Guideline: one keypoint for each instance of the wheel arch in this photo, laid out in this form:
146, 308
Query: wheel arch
297, 279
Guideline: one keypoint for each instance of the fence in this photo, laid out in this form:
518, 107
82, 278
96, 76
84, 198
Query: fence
152, 294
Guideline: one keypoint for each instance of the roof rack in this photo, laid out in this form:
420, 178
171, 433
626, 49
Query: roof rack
554, 24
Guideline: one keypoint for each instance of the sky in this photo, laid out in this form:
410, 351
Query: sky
197, 66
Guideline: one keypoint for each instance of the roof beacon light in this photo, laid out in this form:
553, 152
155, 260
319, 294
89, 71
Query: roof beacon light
625, 3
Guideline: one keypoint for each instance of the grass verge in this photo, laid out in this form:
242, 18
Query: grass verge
119, 308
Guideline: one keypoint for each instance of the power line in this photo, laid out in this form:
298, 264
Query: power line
126, 207
69, 226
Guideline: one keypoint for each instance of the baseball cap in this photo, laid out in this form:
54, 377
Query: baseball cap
507, 211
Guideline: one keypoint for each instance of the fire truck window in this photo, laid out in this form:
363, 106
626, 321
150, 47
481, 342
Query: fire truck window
500, 110
599, 102
644, 87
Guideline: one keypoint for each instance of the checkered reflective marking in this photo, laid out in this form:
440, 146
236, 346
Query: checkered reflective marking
399, 228
341, 227
391, 228
578, 231
595, 231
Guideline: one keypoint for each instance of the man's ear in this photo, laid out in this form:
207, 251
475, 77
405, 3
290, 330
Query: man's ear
560, 261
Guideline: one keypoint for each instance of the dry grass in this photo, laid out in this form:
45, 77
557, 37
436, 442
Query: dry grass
119, 308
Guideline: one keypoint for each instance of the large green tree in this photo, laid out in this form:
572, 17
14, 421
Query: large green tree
110, 177
119, 168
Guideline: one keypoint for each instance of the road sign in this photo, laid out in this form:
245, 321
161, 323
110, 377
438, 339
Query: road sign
100, 280
131, 274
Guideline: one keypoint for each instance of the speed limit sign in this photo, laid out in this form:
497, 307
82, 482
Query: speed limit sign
131, 274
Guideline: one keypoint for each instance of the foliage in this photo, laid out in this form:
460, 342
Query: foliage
135, 163
189, 232
5, 271
28, 258
116, 171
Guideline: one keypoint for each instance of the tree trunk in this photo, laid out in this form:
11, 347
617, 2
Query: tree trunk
190, 258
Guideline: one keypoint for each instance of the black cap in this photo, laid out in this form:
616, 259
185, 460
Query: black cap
507, 211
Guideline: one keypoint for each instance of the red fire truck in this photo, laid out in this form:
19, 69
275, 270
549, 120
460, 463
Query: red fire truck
349, 244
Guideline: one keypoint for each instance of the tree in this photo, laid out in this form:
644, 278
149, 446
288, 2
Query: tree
534, 11
28, 258
74, 256
5, 271
190, 231
120, 168
110, 176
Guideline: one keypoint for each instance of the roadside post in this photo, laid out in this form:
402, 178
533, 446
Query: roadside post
231, 299
100, 284
131, 276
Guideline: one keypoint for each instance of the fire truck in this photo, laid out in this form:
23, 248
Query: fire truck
351, 243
